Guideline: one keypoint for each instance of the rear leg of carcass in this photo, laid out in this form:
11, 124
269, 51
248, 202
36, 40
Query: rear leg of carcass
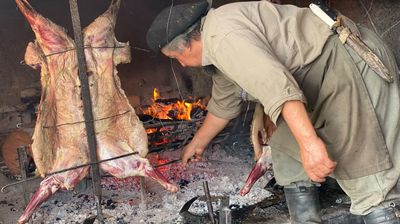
261, 167
49, 186
133, 165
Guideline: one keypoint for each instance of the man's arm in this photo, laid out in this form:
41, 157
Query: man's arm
314, 155
212, 125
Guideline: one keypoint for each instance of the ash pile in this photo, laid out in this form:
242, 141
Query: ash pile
122, 200
227, 162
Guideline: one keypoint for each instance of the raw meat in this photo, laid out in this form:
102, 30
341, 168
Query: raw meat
263, 165
59, 140
262, 151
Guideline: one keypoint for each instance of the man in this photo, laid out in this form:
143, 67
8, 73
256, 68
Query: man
334, 115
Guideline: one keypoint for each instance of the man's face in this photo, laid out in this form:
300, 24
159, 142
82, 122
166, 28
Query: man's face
190, 57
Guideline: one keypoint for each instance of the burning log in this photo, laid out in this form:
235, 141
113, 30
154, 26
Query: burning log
59, 137
173, 109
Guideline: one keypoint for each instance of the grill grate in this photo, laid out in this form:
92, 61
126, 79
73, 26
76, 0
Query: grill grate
166, 134
175, 134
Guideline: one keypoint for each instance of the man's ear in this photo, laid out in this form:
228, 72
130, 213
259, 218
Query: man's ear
183, 48
34, 56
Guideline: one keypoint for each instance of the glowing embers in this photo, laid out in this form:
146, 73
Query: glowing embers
164, 134
173, 109
171, 123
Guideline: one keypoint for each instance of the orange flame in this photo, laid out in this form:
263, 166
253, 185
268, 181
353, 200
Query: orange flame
156, 94
181, 109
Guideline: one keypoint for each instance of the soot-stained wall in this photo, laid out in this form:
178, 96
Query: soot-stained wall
139, 77
146, 70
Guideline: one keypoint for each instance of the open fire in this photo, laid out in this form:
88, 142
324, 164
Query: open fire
171, 123
172, 109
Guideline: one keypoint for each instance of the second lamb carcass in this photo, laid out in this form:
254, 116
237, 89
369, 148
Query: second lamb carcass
261, 130
59, 140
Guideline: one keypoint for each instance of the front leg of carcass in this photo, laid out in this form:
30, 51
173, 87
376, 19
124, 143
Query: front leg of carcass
49, 186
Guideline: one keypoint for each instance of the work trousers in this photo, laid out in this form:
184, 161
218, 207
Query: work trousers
370, 191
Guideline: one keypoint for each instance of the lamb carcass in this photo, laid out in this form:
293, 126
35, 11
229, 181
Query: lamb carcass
59, 140
262, 152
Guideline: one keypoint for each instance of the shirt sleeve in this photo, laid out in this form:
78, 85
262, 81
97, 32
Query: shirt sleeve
225, 101
250, 62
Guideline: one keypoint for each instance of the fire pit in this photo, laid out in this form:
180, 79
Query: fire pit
122, 199
166, 136
227, 162
172, 123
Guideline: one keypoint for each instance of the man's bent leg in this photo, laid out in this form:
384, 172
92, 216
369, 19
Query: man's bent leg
286, 157
375, 195
301, 194
373, 192
303, 203
382, 216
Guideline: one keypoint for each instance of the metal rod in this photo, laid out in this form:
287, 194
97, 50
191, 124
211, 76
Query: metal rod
225, 214
143, 202
68, 169
80, 166
23, 161
209, 203
87, 105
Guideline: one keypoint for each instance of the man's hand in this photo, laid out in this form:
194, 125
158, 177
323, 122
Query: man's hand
316, 161
192, 152
212, 125
313, 152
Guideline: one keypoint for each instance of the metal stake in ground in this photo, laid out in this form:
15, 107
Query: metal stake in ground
87, 106
209, 202
23, 161
143, 202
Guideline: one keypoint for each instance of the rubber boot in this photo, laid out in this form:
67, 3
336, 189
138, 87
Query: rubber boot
303, 204
382, 216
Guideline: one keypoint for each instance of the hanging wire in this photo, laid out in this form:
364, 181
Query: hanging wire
168, 20
170, 60
176, 79
141, 49
23, 62
133, 14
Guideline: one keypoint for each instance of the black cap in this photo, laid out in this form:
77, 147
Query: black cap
181, 17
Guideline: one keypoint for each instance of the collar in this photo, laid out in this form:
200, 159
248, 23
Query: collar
203, 30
